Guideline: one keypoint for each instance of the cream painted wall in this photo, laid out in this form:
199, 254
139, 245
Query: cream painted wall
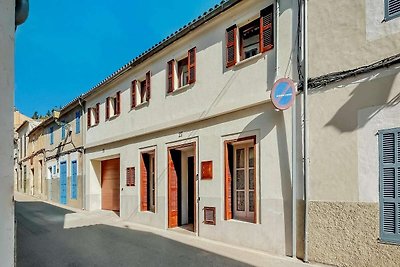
347, 34
7, 28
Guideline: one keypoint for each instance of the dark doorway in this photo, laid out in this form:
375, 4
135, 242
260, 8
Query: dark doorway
190, 190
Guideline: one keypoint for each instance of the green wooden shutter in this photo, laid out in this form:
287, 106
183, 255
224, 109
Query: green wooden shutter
389, 185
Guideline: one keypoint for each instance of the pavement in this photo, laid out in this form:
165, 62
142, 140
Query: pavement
50, 234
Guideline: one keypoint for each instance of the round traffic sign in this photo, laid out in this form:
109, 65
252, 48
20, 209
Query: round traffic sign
283, 93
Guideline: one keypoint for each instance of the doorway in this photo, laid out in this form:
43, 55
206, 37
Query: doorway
110, 185
182, 187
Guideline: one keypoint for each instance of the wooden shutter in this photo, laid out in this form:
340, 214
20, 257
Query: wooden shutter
130, 176
192, 65
148, 85
97, 113
389, 193
133, 94
89, 111
228, 184
266, 29
118, 103
172, 192
171, 76
231, 46
143, 184
107, 108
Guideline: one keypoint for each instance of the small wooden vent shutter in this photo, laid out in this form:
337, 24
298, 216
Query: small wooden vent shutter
192, 65
107, 108
133, 94
171, 80
89, 116
389, 193
148, 85
266, 29
228, 184
97, 113
143, 183
118, 103
231, 46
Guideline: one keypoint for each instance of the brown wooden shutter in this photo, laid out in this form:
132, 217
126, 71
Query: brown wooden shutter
228, 185
97, 113
107, 108
143, 184
266, 29
172, 193
171, 75
89, 111
231, 46
133, 94
192, 65
148, 85
118, 103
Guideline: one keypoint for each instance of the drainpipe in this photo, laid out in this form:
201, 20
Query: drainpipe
83, 154
306, 161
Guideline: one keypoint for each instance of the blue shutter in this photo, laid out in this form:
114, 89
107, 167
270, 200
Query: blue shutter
392, 9
74, 179
63, 130
77, 122
51, 135
389, 185
63, 182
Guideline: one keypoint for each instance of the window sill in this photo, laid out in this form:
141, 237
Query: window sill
182, 89
241, 221
249, 60
113, 117
142, 105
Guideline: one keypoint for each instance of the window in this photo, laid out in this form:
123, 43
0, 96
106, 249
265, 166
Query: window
186, 71
51, 135
240, 180
392, 9
93, 116
78, 122
113, 106
389, 185
141, 91
147, 181
63, 126
254, 38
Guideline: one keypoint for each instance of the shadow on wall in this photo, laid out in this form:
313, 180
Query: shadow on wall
276, 120
373, 92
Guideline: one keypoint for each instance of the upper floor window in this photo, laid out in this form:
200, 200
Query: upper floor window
51, 135
181, 72
93, 116
63, 126
392, 9
77, 122
113, 105
141, 91
253, 38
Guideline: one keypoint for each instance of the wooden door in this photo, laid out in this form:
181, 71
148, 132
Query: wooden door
110, 184
173, 207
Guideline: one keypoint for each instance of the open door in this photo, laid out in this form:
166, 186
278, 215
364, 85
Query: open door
173, 172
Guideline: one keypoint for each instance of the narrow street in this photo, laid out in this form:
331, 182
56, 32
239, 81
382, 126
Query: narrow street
43, 241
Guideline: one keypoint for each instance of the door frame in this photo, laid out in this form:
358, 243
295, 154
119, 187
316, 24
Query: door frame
195, 189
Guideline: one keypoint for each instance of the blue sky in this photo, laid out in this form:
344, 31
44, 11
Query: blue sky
68, 46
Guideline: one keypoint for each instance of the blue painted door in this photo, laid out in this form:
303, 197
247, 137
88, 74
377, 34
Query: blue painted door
74, 178
63, 182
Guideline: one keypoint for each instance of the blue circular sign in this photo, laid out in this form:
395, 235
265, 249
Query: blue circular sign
283, 94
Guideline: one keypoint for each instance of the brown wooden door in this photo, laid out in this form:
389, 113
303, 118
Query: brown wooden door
110, 184
172, 192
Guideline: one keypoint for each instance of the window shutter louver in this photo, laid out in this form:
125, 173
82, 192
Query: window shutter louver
266, 29
148, 85
97, 113
228, 184
389, 192
133, 94
89, 111
143, 184
118, 104
107, 108
231, 46
171, 80
192, 65
392, 9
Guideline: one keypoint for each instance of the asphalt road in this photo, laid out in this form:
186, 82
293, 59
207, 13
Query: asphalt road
42, 241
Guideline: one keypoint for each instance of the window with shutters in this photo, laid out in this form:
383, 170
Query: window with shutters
51, 135
181, 72
147, 181
141, 91
240, 180
78, 122
392, 9
389, 185
252, 38
113, 106
93, 116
